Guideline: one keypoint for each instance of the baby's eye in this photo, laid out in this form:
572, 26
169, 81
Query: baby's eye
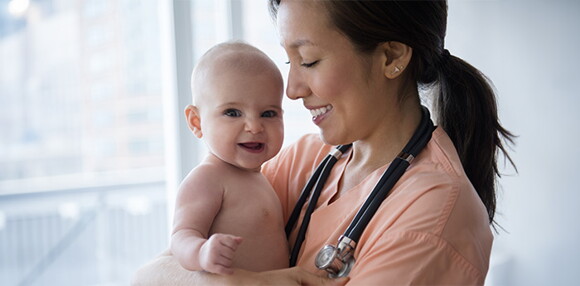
269, 113
232, 112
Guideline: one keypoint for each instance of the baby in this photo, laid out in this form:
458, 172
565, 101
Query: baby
227, 214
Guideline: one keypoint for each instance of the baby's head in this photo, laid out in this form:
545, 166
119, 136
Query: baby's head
237, 93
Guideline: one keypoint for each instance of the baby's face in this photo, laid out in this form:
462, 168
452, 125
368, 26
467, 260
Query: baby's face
241, 118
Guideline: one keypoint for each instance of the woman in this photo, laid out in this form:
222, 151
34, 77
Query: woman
358, 67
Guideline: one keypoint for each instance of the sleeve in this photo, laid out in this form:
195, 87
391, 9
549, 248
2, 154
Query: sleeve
414, 258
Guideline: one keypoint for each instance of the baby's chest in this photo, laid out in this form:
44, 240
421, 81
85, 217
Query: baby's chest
248, 211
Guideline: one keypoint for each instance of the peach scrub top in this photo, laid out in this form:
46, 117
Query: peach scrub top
432, 228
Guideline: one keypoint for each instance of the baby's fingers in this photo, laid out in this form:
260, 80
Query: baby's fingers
217, 260
220, 269
226, 255
219, 252
230, 241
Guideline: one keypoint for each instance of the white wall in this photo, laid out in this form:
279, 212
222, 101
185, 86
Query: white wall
530, 50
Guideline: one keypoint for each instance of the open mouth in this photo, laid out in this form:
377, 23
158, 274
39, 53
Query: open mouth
254, 147
319, 114
320, 111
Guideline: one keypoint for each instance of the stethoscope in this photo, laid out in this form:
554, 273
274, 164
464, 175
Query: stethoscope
339, 260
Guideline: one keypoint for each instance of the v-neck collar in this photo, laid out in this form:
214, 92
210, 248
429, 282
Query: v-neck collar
353, 194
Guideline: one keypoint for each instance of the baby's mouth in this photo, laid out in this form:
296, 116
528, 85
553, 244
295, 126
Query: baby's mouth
254, 147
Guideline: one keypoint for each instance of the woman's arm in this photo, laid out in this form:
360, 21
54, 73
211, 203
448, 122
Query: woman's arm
165, 270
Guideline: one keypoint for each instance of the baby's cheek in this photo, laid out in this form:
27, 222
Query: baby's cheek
276, 135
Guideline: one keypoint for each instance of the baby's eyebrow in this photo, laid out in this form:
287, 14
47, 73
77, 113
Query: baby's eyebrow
278, 107
229, 104
234, 104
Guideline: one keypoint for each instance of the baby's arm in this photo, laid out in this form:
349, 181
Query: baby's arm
198, 201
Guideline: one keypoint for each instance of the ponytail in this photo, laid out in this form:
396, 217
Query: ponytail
466, 109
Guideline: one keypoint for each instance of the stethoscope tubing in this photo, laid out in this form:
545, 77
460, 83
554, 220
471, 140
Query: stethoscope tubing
329, 162
304, 196
387, 181
396, 169
365, 213
308, 188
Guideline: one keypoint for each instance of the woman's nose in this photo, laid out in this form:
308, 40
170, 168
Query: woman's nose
297, 87
254, 126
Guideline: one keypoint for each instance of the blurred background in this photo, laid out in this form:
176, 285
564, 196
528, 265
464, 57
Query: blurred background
93, 143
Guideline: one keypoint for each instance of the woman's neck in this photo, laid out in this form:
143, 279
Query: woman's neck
382, 146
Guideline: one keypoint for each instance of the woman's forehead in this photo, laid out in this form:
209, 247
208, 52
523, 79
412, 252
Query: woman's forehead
301, 23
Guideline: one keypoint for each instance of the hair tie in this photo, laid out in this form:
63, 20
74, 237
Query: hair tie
444, 58
445, 55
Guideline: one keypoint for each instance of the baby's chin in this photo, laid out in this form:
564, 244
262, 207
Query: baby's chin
255, 166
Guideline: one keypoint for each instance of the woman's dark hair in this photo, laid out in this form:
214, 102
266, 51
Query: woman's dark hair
465, 106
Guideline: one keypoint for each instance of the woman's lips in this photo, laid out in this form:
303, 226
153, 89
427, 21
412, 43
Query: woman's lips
318, 114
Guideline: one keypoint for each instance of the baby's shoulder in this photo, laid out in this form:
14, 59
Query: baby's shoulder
205, 175
210, 168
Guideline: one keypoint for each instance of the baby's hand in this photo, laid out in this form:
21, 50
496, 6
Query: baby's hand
217, 253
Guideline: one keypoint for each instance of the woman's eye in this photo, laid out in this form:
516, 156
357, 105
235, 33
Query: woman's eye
232, 113
309, 65
270, 113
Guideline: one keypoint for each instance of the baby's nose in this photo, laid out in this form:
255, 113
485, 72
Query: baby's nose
254, 126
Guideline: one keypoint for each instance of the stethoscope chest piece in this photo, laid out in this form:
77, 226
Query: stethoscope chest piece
337, 261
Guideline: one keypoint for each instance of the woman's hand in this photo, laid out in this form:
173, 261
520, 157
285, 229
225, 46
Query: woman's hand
288, 276
165, 270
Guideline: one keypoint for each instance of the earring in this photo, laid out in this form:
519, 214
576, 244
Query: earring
397, 69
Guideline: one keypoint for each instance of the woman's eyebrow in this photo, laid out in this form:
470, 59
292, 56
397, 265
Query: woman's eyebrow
299, 43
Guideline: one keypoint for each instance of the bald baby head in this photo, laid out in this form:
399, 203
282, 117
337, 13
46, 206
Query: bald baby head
230, 59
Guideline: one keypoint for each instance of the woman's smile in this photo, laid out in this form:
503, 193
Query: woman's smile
319, 113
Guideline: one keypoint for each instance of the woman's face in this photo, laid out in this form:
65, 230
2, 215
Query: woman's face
343, 89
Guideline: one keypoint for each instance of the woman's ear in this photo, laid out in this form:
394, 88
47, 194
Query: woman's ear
193, 120
397, 58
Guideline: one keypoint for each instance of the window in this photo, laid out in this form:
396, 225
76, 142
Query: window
82, 159
92, 136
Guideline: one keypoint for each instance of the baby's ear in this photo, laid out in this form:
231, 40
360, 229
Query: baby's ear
193, 120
